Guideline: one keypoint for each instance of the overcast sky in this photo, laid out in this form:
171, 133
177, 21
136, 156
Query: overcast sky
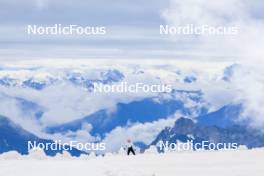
132, 28
133, 32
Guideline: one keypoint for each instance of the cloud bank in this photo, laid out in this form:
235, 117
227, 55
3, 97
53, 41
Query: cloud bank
246, 48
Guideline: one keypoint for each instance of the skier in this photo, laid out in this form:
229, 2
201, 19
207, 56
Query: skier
130, 148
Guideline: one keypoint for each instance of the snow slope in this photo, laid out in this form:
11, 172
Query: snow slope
207, 163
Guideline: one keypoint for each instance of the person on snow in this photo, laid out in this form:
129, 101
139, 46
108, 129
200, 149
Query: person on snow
130, 148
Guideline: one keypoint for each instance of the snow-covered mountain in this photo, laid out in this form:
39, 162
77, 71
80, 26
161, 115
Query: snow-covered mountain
39, 79
14, 138
58, 100
151, 109
185, 130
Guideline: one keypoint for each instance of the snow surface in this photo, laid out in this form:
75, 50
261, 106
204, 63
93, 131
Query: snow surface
205, 163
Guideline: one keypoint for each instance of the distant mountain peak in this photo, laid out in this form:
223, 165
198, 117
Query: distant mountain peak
185, 129
14, 137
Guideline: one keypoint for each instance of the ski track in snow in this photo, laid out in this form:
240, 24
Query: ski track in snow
208, 163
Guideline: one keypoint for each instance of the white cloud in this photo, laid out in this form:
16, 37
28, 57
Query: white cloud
249, 85
140, 132
246, 48
239, 13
